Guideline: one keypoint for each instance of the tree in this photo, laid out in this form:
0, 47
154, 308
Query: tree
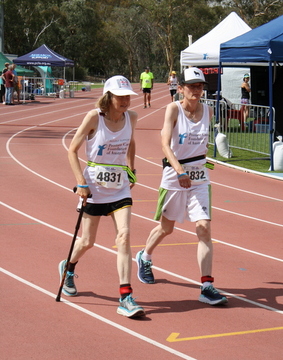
107, 37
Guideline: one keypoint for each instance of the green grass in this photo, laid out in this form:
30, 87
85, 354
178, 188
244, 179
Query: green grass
245, 159
241, 143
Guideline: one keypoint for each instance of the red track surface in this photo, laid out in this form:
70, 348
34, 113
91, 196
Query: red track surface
38, 219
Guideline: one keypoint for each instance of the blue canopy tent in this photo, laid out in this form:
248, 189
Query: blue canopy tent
43, 56
263, 44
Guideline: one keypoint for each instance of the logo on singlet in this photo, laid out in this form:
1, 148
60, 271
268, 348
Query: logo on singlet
101, 148
182, 138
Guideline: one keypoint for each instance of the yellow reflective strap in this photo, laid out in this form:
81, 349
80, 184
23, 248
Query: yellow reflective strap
132, 177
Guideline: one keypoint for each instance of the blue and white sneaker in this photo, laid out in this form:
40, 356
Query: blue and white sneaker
129, 308
69, 287
209, 295
145, 273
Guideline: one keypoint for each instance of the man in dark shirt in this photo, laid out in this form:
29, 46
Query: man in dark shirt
9, 85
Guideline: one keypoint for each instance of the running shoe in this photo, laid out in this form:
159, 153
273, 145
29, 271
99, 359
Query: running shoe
129, 308
145, 273
69, 287
209, 295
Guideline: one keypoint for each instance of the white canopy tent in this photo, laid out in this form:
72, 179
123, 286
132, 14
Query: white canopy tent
206, 50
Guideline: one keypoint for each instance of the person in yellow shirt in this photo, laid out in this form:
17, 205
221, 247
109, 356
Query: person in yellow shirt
146, 82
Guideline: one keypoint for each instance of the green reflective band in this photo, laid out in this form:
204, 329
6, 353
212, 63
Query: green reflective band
132, 177
209, 165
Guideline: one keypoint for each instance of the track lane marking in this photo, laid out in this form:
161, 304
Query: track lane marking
100, 318
154, 267
57, 184
174, 337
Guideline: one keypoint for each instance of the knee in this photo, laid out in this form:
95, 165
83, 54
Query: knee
203, 230
86, 243
123, 238
165, 230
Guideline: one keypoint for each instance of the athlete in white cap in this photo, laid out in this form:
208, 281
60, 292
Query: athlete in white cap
108, 132
184, 192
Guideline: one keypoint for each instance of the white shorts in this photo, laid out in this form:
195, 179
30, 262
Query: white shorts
193, 204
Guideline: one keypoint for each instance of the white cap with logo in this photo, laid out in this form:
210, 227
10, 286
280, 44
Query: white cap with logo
118, 85
192, 75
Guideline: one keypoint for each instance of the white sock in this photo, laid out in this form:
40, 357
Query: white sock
145, 256
206, 284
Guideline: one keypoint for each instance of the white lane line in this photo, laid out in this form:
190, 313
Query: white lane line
100, 318
224, 210
223, 185
222, 242
155, 267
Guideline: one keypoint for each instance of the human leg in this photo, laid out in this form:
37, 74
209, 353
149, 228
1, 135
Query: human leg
9, 92
143, 257
82, 244
128, 307
149, 98
205, 247
209, 294
144, 98
121, 219
199, 211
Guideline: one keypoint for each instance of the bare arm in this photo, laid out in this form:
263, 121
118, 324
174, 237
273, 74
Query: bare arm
170, 119
87, 127
132, 146
246, 86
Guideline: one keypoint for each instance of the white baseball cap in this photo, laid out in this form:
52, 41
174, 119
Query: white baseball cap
118, 85
191, 76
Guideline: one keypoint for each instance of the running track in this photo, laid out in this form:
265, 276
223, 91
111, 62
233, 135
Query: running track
38, 219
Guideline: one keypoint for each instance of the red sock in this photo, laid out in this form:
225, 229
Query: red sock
125, 290
207, 278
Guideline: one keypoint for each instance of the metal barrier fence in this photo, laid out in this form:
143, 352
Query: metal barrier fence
244, 130
31, 87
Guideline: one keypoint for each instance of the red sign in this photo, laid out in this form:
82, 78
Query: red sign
211, 70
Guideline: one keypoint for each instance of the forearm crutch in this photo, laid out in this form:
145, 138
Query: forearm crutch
71, 248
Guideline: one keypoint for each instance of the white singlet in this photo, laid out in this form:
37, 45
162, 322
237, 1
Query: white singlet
189, 139
108, 183
173, 83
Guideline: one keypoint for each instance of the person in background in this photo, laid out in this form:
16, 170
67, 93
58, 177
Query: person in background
9, 85
16, 83
173, 84
185, 191
146, 83
108, 131
3, 89
245, 95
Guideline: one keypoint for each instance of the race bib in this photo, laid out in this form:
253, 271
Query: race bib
107, 176
197, 173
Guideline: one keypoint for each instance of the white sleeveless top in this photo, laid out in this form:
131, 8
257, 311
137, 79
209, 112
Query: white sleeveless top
173, 83
189, 139
108, 147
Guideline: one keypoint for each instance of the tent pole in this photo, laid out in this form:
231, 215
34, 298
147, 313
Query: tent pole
24, 89
271, 130
217, 128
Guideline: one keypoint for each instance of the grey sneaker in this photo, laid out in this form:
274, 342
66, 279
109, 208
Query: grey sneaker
69, 287
129, 308
145, 273
209, 295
